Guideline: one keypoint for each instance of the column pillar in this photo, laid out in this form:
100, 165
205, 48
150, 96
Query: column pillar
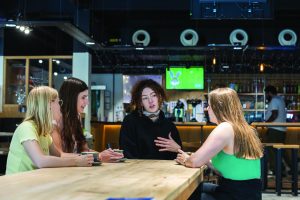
82, 59
82, 62
1, 67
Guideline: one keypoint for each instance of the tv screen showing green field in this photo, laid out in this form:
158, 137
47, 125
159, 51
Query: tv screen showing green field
182, 78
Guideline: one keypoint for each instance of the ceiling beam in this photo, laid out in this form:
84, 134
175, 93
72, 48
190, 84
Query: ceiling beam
66, 27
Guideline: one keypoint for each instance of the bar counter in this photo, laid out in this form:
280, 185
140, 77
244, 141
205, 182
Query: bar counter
275, 124
293, 130
159, 179
191, 134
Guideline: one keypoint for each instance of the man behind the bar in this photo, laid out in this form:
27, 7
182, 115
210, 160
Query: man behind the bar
275, 113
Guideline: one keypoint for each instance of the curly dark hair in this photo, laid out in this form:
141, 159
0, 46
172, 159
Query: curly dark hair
72, 127
136, 93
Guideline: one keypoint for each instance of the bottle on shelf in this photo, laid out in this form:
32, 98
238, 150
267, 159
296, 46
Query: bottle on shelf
259, 86
284, 88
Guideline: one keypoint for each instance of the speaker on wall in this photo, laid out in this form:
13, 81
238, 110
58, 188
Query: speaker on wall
141, 37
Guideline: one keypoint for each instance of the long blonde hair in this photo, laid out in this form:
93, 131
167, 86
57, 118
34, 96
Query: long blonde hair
38, 108
227, 107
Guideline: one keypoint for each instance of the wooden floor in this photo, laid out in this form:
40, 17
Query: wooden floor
286, 183
272, 196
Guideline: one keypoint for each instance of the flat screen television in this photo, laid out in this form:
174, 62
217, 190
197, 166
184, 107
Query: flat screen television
183, 78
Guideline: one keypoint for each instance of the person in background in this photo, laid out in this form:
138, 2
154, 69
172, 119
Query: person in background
275, 113
146, 133
233, 150
68, 136
31, 146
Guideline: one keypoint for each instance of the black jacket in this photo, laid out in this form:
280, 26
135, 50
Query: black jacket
138, 133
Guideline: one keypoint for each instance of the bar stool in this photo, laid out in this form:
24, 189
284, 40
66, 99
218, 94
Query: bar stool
264, 164
279, 151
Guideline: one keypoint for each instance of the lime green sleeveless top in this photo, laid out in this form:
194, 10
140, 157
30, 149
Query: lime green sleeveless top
235, 168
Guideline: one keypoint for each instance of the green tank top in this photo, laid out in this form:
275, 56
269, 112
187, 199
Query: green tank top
235, 168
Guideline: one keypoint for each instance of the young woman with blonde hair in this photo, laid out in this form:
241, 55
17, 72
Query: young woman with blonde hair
233, 148
31, 146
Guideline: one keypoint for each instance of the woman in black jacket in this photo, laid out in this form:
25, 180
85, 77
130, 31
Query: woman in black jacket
145, 132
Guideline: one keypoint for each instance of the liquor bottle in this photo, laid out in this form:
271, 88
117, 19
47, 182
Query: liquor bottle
284, 88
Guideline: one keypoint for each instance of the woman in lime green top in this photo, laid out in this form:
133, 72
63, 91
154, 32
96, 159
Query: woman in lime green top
232, 149
31, 146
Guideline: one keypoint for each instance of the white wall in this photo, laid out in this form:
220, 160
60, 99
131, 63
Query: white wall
81, 65
1, 81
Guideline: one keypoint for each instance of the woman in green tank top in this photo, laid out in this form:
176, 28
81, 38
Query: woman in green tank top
233, 150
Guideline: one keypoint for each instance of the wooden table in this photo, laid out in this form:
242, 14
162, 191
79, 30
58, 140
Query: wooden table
160, 179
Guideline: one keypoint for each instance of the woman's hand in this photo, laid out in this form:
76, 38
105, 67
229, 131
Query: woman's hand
182, 157
167, 144
109, 155
84, 160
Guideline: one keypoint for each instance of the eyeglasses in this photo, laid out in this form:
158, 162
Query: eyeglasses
60, 102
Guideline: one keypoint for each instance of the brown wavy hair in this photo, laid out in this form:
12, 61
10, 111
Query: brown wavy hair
72, 130
136, 93
227, 107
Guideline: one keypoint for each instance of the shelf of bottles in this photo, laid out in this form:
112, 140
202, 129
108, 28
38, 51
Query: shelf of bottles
290, 91
250, 90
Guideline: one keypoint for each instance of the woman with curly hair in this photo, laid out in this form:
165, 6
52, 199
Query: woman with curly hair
145, 132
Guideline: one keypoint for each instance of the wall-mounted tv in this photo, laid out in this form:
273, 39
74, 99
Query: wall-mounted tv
183, 78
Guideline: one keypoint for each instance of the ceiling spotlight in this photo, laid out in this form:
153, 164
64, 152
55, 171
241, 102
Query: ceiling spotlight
57, 62
27, 31
22, 28
65, 77
90, 43
10, 25
40, 61
55, 73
